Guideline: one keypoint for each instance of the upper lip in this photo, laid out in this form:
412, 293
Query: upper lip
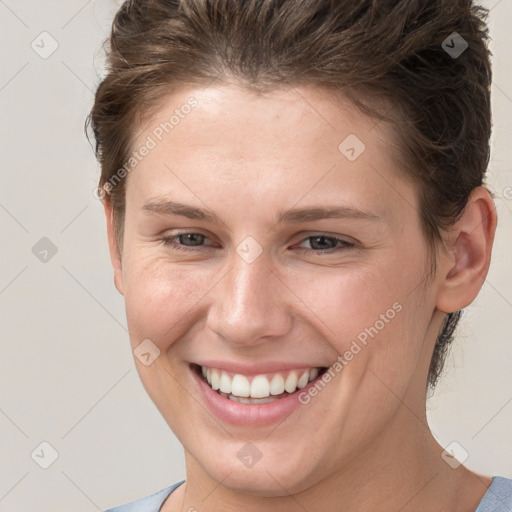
257, 369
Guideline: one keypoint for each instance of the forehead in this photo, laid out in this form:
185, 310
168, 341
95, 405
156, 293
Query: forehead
297, 114
291, 140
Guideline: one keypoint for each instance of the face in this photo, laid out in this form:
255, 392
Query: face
287, 250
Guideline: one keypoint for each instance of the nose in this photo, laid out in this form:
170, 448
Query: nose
249, 304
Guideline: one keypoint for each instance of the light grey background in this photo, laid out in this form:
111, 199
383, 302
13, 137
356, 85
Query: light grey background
67, 375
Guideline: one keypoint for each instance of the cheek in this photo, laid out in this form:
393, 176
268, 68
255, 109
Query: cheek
159, 296
374, 316
348, 301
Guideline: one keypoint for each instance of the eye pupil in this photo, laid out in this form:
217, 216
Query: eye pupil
330, 244
195, 238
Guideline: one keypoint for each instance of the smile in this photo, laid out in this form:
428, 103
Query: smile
257, 389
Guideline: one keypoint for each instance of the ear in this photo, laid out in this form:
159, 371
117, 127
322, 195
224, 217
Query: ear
115, 253
464, 264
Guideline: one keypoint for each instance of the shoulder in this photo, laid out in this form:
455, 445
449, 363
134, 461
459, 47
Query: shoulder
498, 497
150, 503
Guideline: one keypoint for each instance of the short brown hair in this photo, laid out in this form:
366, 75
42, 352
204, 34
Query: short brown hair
377, 52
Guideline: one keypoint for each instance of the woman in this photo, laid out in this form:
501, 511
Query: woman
296, 213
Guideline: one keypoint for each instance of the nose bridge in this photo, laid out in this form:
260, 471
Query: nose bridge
248, 304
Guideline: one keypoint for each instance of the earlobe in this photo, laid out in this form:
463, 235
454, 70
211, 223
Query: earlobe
115, 253
464, 268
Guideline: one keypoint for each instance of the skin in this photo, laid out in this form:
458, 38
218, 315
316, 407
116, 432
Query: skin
363, 441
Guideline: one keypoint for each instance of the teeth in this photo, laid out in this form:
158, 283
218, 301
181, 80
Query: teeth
240, 383
225, 383
214, 379
260, 387
277, 384
291, 382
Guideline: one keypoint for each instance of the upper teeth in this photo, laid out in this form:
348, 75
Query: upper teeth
261, 386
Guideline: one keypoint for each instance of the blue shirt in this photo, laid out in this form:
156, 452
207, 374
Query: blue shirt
498, 498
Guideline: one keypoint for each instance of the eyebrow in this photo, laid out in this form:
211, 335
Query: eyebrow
318, 213
292, 216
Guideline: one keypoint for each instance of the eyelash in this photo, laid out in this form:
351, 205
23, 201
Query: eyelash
343, 244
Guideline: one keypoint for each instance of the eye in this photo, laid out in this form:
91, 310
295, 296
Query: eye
325, 244
319, 244
183, 241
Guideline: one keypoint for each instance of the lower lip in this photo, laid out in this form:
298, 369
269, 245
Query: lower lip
249, 415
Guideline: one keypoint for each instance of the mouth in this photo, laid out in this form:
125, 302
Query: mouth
257, 389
